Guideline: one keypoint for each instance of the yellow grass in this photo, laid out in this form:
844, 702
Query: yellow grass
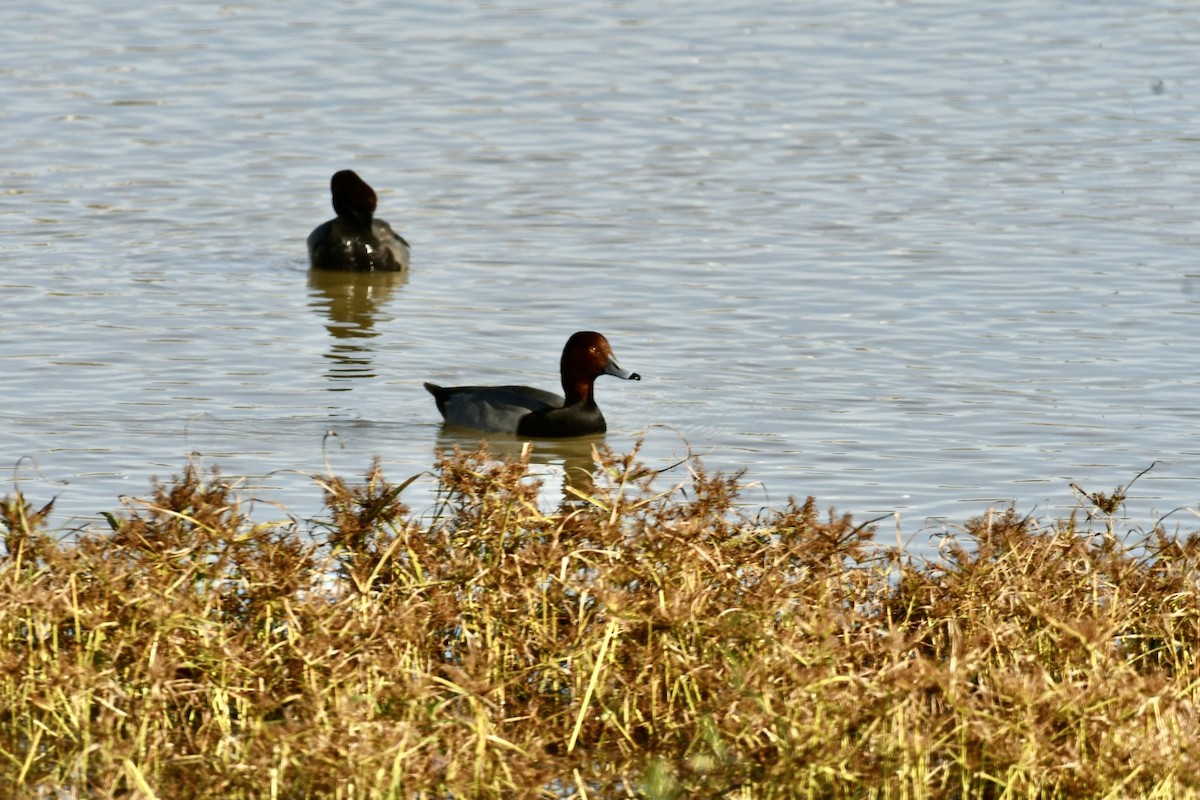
640, 641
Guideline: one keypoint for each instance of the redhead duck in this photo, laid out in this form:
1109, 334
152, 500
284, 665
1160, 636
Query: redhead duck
533, 412
355, 240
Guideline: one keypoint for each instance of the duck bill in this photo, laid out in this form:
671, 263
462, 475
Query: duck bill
613, 368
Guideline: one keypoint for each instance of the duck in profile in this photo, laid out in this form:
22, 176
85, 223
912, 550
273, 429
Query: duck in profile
536, 413
355, 240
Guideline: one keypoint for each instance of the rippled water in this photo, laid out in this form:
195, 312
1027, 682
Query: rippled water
902, 256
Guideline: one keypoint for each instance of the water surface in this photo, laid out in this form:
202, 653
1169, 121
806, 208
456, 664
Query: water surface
905, 257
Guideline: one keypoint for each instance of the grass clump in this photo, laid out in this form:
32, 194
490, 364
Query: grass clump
635, 641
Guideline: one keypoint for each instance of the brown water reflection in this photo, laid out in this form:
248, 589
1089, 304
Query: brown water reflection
571, 461
352, 303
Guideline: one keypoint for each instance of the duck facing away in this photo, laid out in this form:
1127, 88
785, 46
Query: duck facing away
536, 413
355, 240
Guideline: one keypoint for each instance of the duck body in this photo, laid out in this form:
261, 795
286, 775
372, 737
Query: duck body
537, 413
336, 245
355, 240
521, 410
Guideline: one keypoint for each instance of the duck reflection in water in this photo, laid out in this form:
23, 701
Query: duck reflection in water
351, 303
576, 458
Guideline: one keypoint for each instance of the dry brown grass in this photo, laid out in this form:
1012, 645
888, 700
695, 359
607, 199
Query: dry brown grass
639, 641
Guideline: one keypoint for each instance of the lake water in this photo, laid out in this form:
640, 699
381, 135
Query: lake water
919, 258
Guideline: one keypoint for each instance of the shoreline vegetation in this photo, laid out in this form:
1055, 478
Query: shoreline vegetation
641, 640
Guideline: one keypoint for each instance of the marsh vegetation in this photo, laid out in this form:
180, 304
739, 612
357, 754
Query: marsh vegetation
648, 638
